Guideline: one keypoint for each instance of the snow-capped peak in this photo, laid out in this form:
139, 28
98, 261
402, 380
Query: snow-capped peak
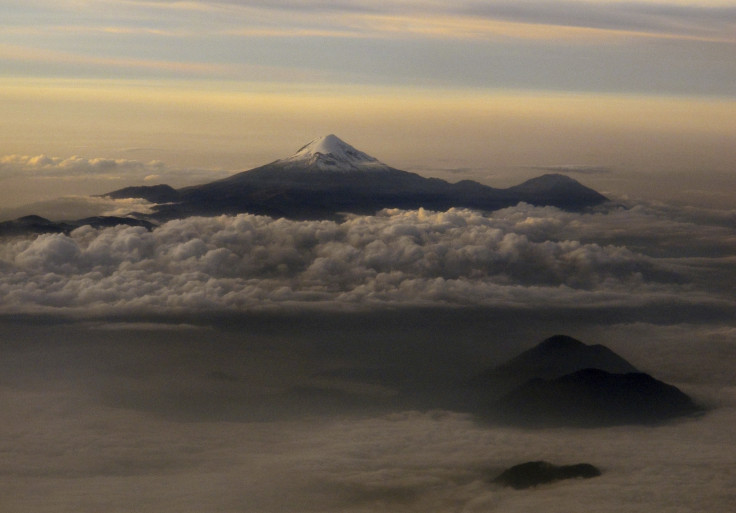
330, 153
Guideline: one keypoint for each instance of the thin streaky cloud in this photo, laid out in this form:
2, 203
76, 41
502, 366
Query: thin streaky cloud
45, 30
707, 22
183, 68
694, 20
574, 168
464, 20
20, 53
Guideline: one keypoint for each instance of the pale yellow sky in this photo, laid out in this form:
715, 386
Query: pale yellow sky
615, 93
621, 144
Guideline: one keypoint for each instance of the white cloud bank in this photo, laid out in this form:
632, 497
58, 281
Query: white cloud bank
520, 257
79, 167
75, 166
42, 176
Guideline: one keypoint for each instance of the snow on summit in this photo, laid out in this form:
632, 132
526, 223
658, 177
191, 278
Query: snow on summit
330, 153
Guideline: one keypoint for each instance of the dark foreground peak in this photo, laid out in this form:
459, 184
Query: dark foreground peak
554, 357
593, 397
534, 473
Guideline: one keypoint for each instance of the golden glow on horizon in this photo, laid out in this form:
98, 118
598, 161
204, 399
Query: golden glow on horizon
466, 86
19, 53
164, 110
715, 114
497, 137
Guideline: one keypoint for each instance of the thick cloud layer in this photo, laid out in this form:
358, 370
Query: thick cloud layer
225, 407
524, 256
89, 425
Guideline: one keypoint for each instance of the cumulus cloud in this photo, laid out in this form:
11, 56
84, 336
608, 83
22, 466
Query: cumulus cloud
524, 257
655, 229
105, 170
42, 165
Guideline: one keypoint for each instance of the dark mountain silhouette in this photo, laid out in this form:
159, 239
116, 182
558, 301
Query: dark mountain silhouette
593, 397
37, 225
534, 473
558, 190
31, 225
552, 358
152, 193
328, 177
563, 381
108, 221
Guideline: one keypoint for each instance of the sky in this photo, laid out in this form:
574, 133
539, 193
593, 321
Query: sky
632, 97
239, 364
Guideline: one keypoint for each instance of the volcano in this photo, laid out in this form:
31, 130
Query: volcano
328, 178
564, 382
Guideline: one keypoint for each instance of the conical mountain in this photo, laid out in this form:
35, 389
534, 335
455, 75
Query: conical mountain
328, 177
559, 355
564, 382
559, 190
330, 153
552, 358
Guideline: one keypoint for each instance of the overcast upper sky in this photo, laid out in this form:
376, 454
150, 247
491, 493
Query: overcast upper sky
491, 90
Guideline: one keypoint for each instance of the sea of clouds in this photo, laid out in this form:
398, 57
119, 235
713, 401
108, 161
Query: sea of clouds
525, 256
120, 419
250, 364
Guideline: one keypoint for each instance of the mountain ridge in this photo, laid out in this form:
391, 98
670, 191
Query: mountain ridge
37, 225
328, 177
325, 179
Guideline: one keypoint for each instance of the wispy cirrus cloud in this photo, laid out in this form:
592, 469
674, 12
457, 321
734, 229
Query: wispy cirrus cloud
85, 60
575, 169
705, 20
536, 19
470, 18
571, 44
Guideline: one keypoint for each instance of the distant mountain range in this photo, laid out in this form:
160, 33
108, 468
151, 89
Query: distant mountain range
36, 225
325, 179
328, 177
